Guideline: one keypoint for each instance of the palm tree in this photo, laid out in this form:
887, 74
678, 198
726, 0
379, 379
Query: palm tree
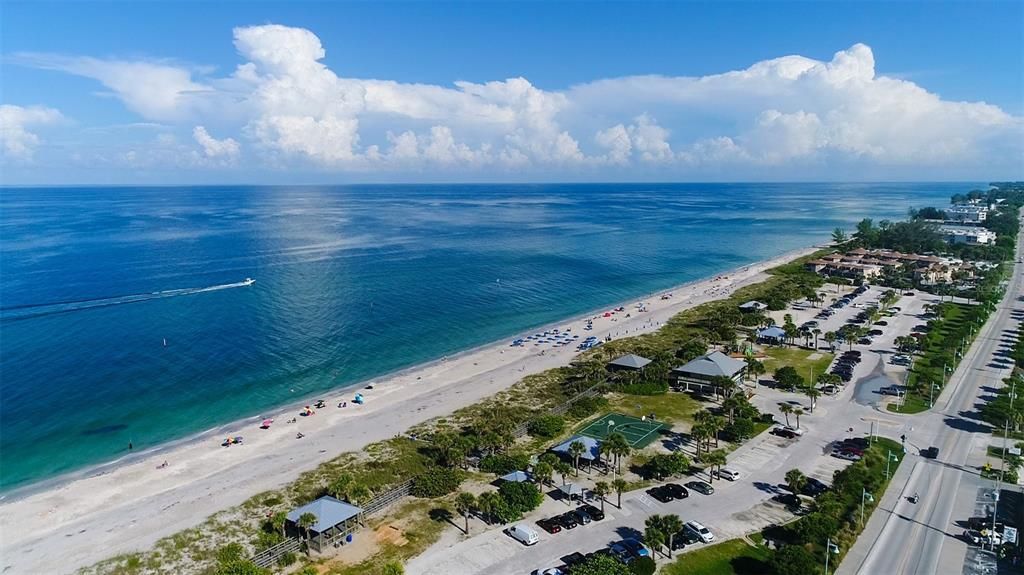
798, 411
542, 472
465, 503
358, 493
786, 409
671, 524
813, 393
602, 489
562, 468
718, 459
816, 333
830, 339
619, 485
486, 503
706, 460
757, 369
576, 449
795, 479
716, 425
700, 433
616, 445
654, 536
278, 520
340, 486
305, 522
731, 404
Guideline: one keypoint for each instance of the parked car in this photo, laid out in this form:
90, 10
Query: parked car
858, 442
636, 548
814, 487
524, 534
574, 558
931, 452
701, 487
702, 533
882, 322
783, 432
847, 455
550, 525
829, 389
568, 520
891, 390
875, 332
660, 493
908, 293
730, 474
677, 491
582, 517
595, 513
549, 571
864, 341
620, 552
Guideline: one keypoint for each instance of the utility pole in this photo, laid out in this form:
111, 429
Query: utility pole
999, 485
863, 495
888, 459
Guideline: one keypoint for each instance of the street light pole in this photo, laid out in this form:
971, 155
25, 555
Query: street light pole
829, 547
999, 485
863, 495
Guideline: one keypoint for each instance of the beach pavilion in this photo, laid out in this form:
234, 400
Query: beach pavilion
752, 306
704, 370
335, 519
591, 449
515, 477
628, 363
773, 334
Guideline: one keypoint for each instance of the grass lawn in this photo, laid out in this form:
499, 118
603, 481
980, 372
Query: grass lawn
798, 359
734, 557
672, 408
912, 404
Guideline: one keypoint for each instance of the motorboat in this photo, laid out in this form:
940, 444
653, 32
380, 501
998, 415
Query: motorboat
248, 281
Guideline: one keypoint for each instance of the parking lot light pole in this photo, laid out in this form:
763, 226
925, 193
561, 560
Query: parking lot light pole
888, 459
830, 548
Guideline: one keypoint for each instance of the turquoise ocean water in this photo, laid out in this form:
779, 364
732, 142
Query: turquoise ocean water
351, 283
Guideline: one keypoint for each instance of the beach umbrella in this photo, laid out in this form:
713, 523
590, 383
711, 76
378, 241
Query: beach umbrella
266, 423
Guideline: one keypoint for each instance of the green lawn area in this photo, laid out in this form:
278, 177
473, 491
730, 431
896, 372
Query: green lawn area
671, 407
798, 359
734, 557
911, 404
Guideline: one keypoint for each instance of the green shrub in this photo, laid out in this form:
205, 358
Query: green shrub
740, 430
546, 426
665, 465
644, 388
642, 566
286, 559
503, 463
587, 406
521, 497
435, 482
793, 560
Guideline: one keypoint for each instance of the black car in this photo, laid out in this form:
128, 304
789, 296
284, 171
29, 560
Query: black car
787, 499
677, 491
875, 332
582, 517
814, 487
701, 487
781, 432
853, 352
661, 494
858, 442
574, 559
567, 520
931, 453
594, 513
550, 525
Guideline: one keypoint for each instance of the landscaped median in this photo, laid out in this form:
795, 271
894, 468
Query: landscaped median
799, 546
949, 336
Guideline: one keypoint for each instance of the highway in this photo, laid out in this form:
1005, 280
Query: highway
922, 539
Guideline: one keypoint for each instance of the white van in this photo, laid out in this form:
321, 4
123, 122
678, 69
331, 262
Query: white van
523, 534
730, 474
702, 533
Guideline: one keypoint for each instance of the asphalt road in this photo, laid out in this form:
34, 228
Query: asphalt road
922, 539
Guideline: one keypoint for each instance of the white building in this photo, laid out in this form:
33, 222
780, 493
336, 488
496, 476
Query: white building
974, 236
970, 214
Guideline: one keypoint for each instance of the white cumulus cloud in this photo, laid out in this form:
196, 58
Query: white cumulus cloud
18, 141
226, 149
787, 113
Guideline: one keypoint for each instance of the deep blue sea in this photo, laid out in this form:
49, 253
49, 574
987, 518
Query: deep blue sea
352, 282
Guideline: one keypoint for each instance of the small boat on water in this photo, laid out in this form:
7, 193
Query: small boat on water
248, 281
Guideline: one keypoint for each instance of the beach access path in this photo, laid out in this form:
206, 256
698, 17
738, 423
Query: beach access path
129, 507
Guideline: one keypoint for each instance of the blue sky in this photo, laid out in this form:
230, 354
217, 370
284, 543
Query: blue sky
152, 92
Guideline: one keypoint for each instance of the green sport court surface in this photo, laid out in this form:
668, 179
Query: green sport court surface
638, 433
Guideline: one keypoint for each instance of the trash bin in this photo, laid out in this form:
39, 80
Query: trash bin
348, 538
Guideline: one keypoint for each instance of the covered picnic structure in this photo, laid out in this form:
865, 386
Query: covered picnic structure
628, 362
753, 305
773, 334
704, 370
335, 519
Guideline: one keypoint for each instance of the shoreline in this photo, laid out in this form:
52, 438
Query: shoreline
128, 503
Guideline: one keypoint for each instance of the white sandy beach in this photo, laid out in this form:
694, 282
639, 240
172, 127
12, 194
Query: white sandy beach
131, 506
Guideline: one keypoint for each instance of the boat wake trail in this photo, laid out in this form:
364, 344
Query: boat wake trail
34, 310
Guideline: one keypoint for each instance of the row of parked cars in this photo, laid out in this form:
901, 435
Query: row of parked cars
625, 551
582, 515
844, 366
673, 491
